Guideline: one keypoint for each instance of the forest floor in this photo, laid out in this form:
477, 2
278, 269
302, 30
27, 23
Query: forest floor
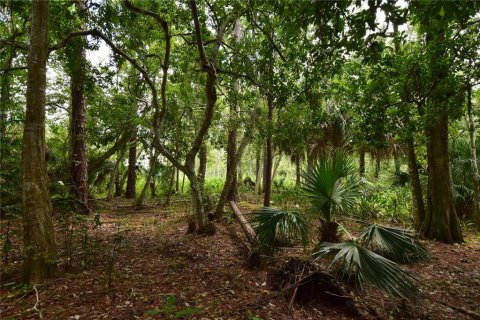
136, 260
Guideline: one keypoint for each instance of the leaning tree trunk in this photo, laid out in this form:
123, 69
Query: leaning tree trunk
40, 253
132, 173
79, 160
473, 151
153, 163
269, 157
415, 186
230, 180
441, 221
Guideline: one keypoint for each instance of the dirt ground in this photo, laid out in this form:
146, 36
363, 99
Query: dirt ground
148, 259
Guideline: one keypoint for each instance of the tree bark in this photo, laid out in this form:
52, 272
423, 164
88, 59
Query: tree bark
441, 221
377, 167
362, 162
258, 171
177, 181
269, 157
473, 151
78, 145
415, 186
153, 163
170, 187
246, 227
231, 177
40, 253
298, 170
202, 167
231, 150
114, 174
132, 172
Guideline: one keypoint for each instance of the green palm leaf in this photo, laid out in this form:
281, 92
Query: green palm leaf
272, 225
396, 244
330, 185
366, 266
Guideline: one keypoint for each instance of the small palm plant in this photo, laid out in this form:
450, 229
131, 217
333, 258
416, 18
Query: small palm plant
274, 226
331, 187
369, 259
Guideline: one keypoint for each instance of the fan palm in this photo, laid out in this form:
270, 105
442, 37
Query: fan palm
366, 266
331, 187
273, 225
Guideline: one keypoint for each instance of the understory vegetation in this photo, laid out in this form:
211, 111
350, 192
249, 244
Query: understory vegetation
214, 159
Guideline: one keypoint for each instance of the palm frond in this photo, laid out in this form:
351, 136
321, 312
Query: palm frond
366, 266
329, 185
272, 225
396, 244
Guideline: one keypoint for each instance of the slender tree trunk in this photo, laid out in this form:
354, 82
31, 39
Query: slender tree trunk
183, 183
231, 149
415, 186
202, 167
170, 188
275, 167
377, 167
258, 171
177, 181
132, 172
298, 170
473, 150
362, 162
79, 159
441, 221
269, 157
231, 178
40, 253
153, 163
114, 174
120, 183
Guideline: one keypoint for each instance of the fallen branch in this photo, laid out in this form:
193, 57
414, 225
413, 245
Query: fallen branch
246, 227
37, 304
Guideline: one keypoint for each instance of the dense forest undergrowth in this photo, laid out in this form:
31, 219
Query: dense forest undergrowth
136, 259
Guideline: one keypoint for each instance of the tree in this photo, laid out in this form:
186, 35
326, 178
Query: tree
39, 237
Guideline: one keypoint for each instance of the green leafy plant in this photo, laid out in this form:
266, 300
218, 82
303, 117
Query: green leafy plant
365, 266
170, 312
331, 187
273, 226
397, 244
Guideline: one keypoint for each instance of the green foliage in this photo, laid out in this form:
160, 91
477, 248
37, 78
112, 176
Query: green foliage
396, 244
274, 226
330, 185
169, 310
365, 266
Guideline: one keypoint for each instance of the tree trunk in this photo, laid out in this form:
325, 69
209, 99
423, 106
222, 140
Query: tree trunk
202, 167
441, 221
246, 227
298, 170
132, 166
377, 167
269, 157
415, 186
396, 160
153, 163
170, 187
114, 174
258, 171
362, 162
231, 149
275, 167
231, 178
79, 160
177, 181
473, 151
40, 253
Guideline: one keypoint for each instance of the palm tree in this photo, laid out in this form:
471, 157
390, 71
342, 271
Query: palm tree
331, 187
